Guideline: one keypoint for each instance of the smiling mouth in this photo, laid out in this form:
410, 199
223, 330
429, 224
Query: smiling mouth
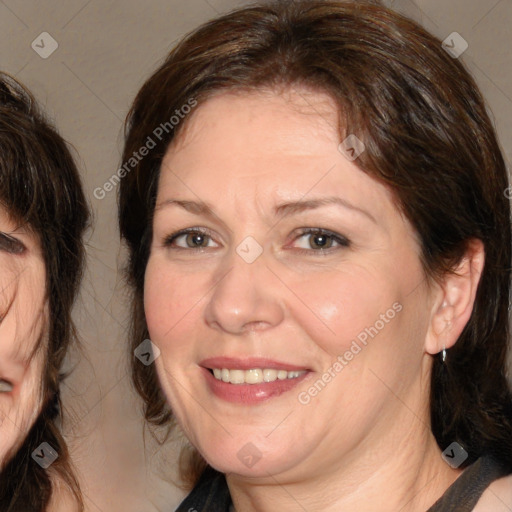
254, 375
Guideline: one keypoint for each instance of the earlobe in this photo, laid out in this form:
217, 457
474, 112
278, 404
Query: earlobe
455, 299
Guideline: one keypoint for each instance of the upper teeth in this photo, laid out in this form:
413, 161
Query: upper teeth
253, 376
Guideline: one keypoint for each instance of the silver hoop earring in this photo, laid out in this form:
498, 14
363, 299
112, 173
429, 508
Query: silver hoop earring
443, 354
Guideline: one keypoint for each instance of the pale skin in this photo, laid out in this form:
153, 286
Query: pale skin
366, 435
23, 313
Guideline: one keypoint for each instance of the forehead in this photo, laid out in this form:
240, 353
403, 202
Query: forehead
299, 116
278, 146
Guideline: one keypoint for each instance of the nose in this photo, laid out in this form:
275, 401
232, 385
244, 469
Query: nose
247, 297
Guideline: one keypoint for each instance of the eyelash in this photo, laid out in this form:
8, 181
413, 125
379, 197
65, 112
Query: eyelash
339, 239
10, 244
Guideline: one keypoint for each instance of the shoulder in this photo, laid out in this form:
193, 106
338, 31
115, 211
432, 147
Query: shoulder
497, 497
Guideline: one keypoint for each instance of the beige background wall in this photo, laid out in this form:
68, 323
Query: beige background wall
105, 50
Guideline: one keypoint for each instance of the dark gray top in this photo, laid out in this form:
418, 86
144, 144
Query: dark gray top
464, 493
211, 493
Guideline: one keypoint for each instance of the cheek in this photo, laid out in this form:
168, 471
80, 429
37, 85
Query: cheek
19, 412
24, 313
20, 331
334, 308
172, 302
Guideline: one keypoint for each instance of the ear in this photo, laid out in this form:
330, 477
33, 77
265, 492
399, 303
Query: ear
454, 298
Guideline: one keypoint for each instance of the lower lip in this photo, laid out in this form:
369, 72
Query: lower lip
250, 393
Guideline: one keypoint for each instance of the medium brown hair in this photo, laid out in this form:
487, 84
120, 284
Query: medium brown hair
40, 188
428, 137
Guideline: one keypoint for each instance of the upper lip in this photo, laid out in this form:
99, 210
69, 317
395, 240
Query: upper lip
233, 363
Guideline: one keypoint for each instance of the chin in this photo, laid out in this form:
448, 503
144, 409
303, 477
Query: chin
248, 460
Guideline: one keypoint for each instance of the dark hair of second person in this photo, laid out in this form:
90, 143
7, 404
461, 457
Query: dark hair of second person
41, 197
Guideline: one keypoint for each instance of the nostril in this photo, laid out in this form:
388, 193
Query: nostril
5, 386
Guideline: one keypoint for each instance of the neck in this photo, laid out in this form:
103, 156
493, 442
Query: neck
401, 470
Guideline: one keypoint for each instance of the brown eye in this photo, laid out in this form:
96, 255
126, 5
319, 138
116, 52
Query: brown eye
322, 240
192, 238
10, 244
196, 239
5, 386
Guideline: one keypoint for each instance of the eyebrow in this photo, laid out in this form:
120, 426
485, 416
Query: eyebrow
294, 207
280, 211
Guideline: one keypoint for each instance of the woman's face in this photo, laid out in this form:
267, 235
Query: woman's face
22, 320
334, 320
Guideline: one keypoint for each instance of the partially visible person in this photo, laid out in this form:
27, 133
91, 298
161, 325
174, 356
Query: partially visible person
43, 216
